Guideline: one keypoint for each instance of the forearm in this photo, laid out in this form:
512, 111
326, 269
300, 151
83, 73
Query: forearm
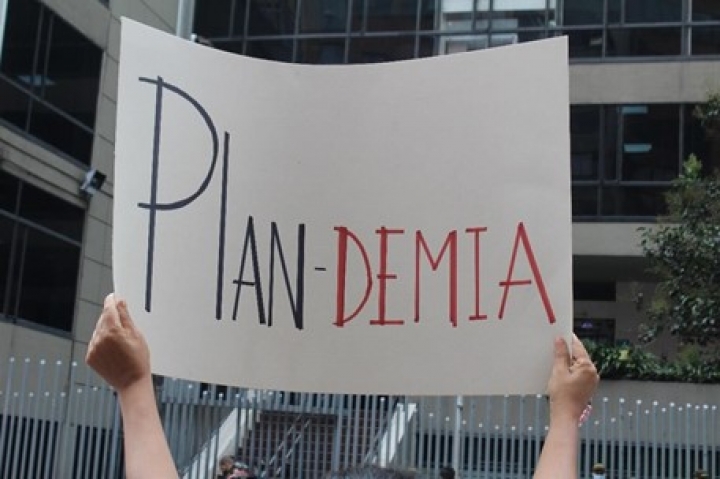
146, 451
558, 459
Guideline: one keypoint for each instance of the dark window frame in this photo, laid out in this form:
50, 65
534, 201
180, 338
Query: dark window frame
478, 23
25, 233
70, 134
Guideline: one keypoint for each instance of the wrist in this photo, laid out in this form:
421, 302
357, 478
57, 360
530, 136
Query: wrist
564, 415
140, 386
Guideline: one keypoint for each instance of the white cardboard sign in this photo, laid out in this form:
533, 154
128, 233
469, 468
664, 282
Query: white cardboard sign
389, 228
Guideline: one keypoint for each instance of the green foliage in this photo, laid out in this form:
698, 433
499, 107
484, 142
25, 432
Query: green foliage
684, 253
629, 362
709, 114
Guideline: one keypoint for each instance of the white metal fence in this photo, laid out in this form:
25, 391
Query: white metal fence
60, 421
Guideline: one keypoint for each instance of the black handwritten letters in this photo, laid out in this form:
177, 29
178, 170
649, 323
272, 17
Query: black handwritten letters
256, 276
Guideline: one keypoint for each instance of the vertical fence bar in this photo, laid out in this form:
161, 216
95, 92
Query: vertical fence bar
621, 430
20, 428
698, 458
28, 423
12, 427
6, 411
422, 433
653, 439
489, 466
39, 471
663, 443
472, 438
713, 441
688, 449
63, 454
638, 468
115, 443
31, 467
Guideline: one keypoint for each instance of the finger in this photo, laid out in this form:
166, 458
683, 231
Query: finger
109, 317
562, 355
578, 349
124, 314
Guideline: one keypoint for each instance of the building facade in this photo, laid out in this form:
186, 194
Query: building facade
58, 92
638, 67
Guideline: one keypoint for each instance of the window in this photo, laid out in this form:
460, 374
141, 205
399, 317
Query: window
625, 156
358, 31
49, 79
601, 331
40, 239
594, 291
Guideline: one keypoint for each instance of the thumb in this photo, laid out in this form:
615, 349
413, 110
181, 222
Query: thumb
562, 354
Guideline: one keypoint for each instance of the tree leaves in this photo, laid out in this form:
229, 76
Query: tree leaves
684, 252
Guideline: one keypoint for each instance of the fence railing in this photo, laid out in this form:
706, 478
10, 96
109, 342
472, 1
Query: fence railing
60, 421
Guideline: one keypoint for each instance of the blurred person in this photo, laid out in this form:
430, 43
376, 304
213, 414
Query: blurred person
225, 465
447, 473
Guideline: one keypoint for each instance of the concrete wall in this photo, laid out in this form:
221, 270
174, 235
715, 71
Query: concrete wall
648, 82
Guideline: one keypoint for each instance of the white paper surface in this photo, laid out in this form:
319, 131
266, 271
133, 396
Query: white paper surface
398, 193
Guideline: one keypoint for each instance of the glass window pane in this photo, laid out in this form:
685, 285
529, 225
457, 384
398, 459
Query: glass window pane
391, 15
508, 38
647, 42
6, 239
610, 143
56, 130
239, 17
585, 142
614, 14
278, 50
636, 201
428, 14
381, 49
582, 12
651, 142
49, 279
212, 18
14, 104
324, 16
705, 41
8, 192
272, 18
584, 201
584, 43
429, 46
594, 291
51, 212
232, 46
21, 30
653, 11
72, 78
705, 10
518, 17
466, 43
325, 51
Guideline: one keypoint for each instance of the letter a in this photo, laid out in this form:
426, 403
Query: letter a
521, 237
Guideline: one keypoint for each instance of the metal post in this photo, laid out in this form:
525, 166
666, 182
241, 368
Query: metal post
184, 23
459, 404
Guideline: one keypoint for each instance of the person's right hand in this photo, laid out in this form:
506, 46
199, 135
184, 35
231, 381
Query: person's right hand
118, 351
573, 380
